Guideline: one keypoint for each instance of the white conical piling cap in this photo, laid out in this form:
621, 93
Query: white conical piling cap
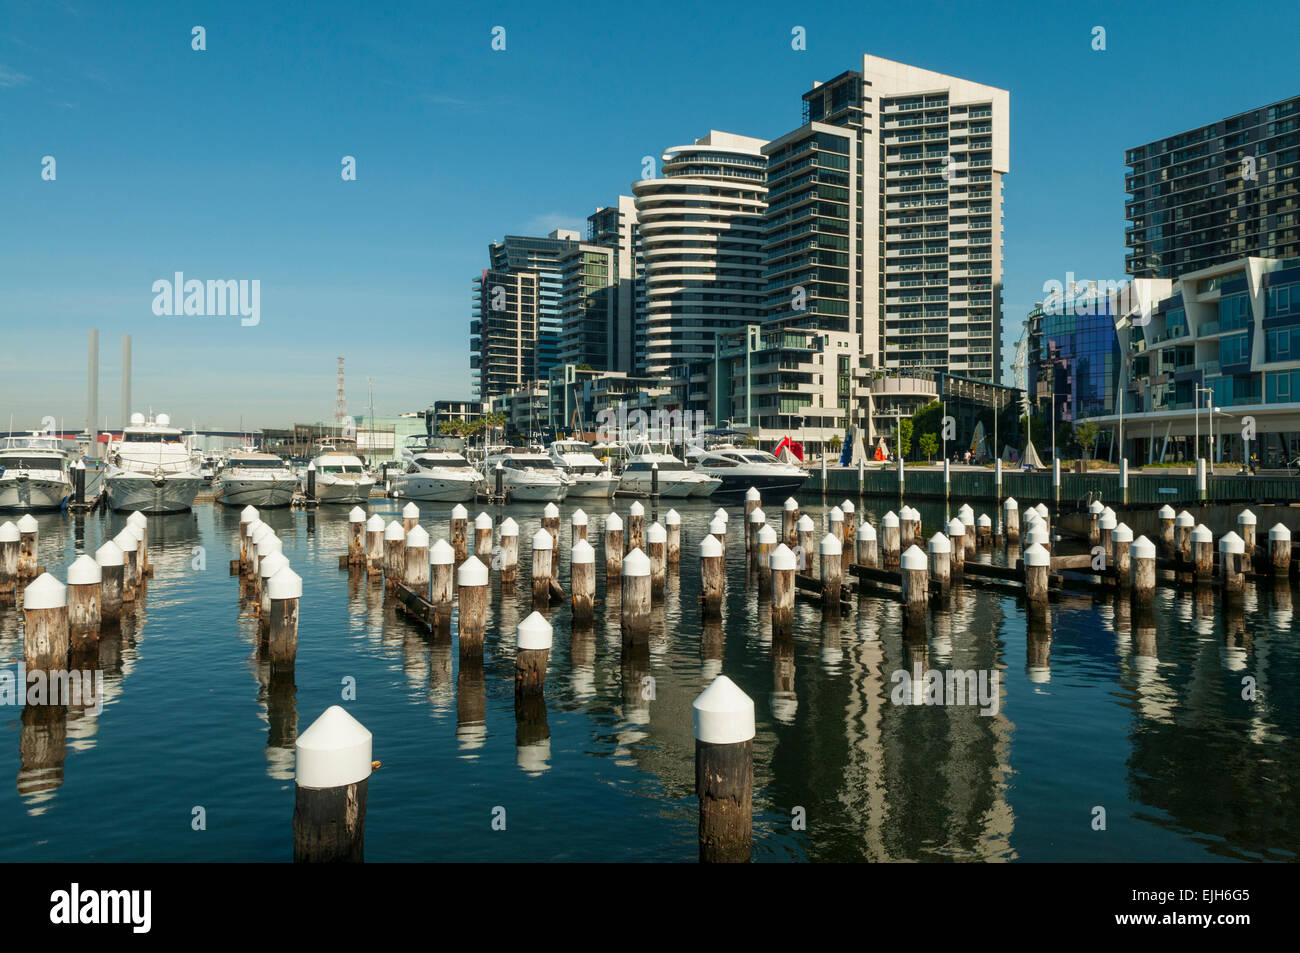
582, 553
9, 532
248, 514
782, 559
334, 751
847, 507
672, 518
719, 527
956, 527
1095, 507
637, 563
1037, 534
1143, 548
985, 521
126, 539
1202, 534
138, 519
508, 527
940, 543
656, 534
914, 558
417, 538
966, 514
542, 540
258, 531
1230, 542
1279, 534
890, 519
1010, 503
836, 515
550, 511
613, 522
45, 592
1043, 511
84, 571
1108, 521
636, 509
441, 553
284, 584
724, 715
1122, 533
1108, 512
905, 513
791, 503
472, 573
1031, 517
753, 495
410, 511
720, 514
766, 535
1185, 519
867, 531
110, 554
458, 512
1246, 518
534, 633
1036, 555
27, 523
253, 527
579, 518
1166, 512
356, 515
483, 521
710, 547
830, 545
393, 532
757, 516
375, 524
273, 563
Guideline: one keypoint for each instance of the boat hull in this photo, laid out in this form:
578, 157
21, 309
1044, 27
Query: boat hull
668, 488
435, 489
342, 492
259, 493
592, 488
537, 492
171, 494
773, 485
32, 493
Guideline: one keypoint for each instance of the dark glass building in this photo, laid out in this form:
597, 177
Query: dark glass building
1080, 357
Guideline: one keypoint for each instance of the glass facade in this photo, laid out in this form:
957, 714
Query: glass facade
1081, 353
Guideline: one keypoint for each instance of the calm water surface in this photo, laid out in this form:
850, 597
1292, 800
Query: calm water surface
1099, 707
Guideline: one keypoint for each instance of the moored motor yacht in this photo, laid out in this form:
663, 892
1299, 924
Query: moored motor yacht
739, 468
152, 468
436, 470
676, 479
341, 477
527, 475
251, 478
33, 473
591, 478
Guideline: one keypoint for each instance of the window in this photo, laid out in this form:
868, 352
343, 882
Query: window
1234, 312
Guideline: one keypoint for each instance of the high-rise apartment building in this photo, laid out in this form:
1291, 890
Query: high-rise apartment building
597, 292
701, 242
1215, 194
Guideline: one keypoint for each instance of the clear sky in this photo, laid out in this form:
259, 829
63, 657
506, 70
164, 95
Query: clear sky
225, 163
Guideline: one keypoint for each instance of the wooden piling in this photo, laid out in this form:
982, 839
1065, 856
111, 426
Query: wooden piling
284, 589
394, 554
141, 524
724, 771
543, 550
126, 541
673, 523
753, 501
783, 567
713, 576
868, 552
636, 597
246, 516
790, 523
415, 571
85, 581
1246, 524
890, 540
1203, 552
442, 561
268, 567
582, 580
28, 533
718, 530
984, 531
45, 636
908, 525
508, 534
1106, 528
835, 524
1279, 544
763, 555
850, 527
1183, 524
1011, 521
1143, 577
551, 523
356, 537
1038, 565
410, 517
635, 526
1232, 557
914, 568
1121, 556
1094, 522
472, 597
942, 555
375, 545
332, 766
111, 563
831, 550
967, 517
457, 528
533, 639
755, 520
9, 543
577, 526
1165, 519
656, 540
957, 535
613, 546
483, 538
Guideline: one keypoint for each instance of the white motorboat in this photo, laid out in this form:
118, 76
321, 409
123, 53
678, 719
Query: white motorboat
152, 468
341, 477
437, 471
739, 468
676, 479
251, 478
591, 478
33, 473
527, 475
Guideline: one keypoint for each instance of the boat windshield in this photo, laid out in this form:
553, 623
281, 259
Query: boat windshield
591, 468
340, 468
448, 462
28, 462
758, 456
258, 464
528, 463
152, 438
644, 466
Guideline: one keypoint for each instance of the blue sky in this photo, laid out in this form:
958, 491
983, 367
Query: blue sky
225, 163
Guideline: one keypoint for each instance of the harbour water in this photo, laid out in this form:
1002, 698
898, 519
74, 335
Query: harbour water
1094, 710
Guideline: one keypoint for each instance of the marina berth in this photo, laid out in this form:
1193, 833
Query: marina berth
152, 468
